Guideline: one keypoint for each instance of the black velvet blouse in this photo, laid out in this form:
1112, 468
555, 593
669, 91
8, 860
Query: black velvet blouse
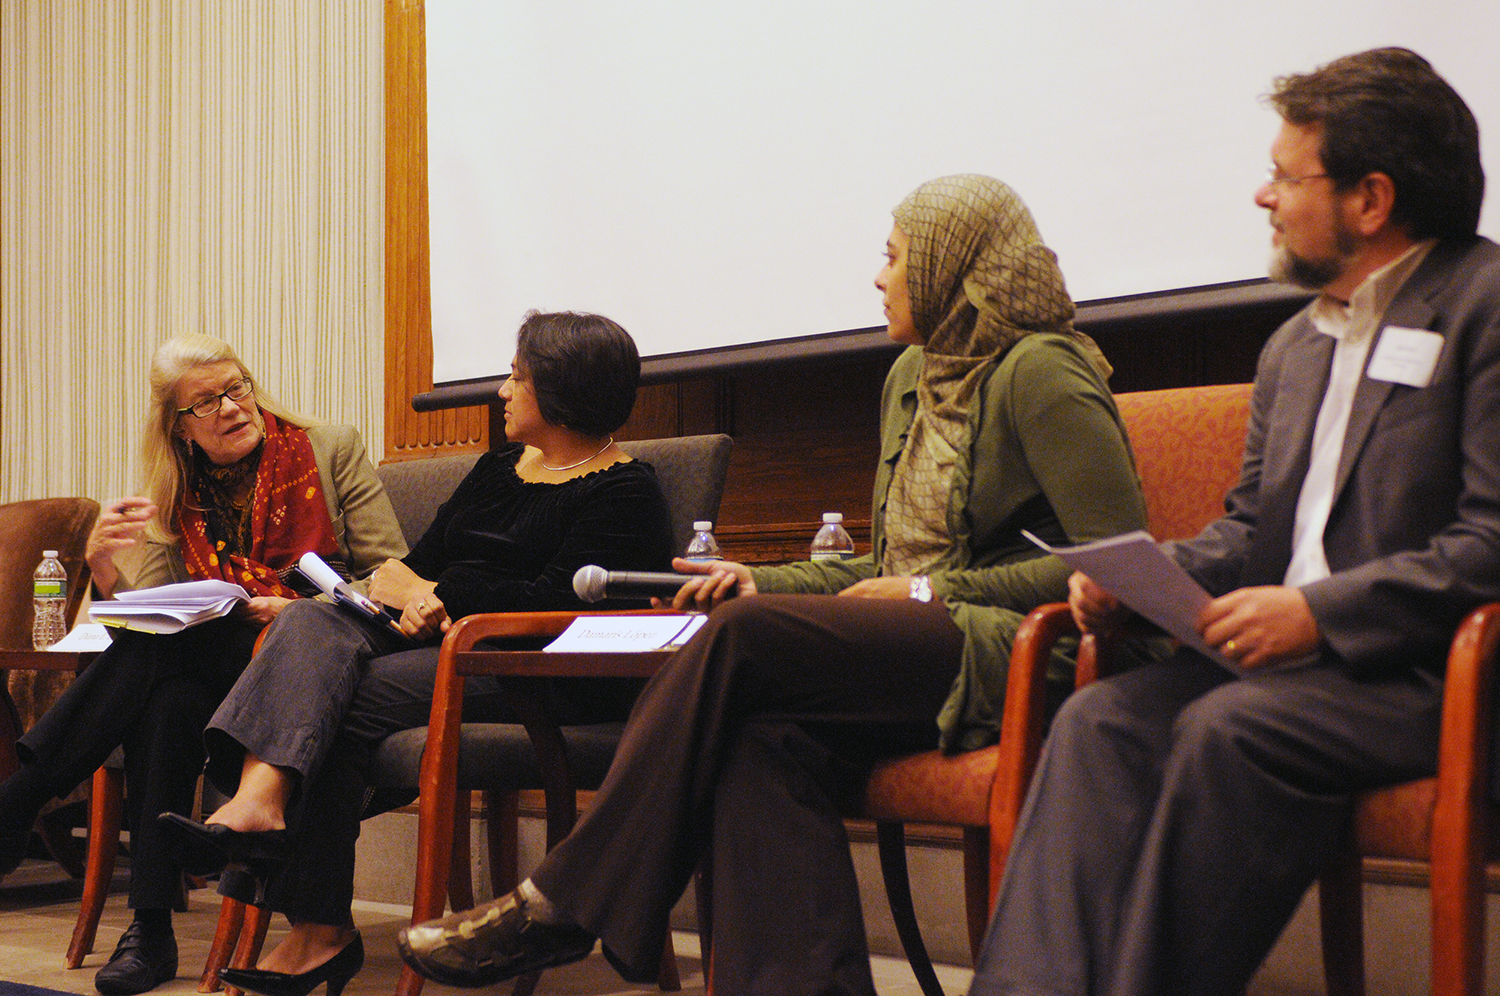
501, 544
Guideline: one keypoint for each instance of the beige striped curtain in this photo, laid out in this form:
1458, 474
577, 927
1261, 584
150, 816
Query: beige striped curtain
168, 165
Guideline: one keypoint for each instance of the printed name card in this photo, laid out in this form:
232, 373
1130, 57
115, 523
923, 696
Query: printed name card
1405, 356
626, 634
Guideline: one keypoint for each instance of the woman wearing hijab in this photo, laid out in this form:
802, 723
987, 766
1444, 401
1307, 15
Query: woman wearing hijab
746, 745
239, 489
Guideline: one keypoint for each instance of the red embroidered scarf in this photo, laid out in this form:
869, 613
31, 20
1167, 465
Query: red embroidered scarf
288, 517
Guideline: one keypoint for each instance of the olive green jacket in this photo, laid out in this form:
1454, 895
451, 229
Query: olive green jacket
1047, 454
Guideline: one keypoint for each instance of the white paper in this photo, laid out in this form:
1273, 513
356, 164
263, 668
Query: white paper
187, 593
1133, 568
625, 634
319, 573
168, 608
83, 638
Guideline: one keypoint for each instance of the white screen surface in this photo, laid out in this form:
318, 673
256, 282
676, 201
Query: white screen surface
713, 175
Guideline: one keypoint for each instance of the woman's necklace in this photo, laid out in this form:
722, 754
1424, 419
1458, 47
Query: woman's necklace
607, 444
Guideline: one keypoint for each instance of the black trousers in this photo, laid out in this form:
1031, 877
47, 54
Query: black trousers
324, 691
745, 749
1178, 815
151, 695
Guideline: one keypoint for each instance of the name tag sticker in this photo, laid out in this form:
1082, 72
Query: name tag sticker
1405, 356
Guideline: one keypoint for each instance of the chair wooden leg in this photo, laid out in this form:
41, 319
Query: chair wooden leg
667, 978
890, 840
252, 938
106, 803
502, 832
460, 864
410, 983
1341, 911
977, 886
226, 936
703, 896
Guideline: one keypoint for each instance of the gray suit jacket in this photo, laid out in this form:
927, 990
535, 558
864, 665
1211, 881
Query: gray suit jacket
1413, 538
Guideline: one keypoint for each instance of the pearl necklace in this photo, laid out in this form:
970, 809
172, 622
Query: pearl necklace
607, 444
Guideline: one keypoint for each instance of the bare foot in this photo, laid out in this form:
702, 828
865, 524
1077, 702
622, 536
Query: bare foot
260, 801
248, 815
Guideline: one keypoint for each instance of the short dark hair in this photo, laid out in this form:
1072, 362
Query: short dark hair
584, 369
1387, 111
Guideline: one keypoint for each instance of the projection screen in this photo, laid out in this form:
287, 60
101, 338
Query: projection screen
712, 175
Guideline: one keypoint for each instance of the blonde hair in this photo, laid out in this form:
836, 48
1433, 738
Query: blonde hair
167, 457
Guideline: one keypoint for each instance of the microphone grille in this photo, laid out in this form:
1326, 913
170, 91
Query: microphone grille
588, 582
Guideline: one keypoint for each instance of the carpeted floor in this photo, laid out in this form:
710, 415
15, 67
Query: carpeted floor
19, 989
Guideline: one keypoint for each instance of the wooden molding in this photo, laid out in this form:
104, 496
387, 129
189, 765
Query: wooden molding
780, 542
408, 290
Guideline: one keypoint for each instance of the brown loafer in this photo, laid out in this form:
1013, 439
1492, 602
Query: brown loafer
490, 943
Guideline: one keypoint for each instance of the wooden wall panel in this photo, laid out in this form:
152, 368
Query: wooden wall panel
408, 304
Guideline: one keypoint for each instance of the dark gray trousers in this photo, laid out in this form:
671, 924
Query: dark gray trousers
744, 749
1178, 815
324, 691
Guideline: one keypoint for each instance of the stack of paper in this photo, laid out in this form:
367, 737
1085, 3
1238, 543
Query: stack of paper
169, 608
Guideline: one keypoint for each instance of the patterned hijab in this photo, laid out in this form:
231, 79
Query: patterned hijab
979, 279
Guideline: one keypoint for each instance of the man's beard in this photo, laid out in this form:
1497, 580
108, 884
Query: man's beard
1286, 267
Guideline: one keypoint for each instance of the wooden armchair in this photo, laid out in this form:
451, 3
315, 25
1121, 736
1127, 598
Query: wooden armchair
1443, 820
26, 529
28, 689
1187, 444
496, 758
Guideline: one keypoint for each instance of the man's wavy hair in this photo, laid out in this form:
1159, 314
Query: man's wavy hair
1387, 111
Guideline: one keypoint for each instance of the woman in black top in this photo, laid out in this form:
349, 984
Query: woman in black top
293, 740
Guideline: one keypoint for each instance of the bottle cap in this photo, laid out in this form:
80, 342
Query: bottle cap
833, 516
702, 526
49, 553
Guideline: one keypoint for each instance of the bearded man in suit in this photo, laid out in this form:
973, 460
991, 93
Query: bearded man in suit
1181, 809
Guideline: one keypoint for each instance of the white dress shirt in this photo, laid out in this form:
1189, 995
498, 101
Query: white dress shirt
1353, 326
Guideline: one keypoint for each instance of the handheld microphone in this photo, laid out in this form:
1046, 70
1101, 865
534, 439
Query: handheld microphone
593, 583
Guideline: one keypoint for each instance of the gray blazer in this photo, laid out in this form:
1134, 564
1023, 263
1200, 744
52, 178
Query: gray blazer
1413, 538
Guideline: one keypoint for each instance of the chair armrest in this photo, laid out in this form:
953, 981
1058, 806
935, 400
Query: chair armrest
470, 630
1023, 723
1096, 654
1460, 813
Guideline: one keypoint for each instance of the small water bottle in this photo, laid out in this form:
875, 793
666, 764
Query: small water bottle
832, 541
49, 594
703, 546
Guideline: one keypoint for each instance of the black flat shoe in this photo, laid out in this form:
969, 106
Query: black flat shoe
143, 960
247, 847
490, 943
336, 971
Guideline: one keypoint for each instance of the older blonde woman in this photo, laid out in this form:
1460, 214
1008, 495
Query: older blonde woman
238, 489
996, 419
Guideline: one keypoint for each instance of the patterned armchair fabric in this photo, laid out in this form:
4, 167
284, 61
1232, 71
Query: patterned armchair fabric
1188, 444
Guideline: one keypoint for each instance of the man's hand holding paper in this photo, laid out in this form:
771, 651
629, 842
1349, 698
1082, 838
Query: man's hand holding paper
1254, 627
